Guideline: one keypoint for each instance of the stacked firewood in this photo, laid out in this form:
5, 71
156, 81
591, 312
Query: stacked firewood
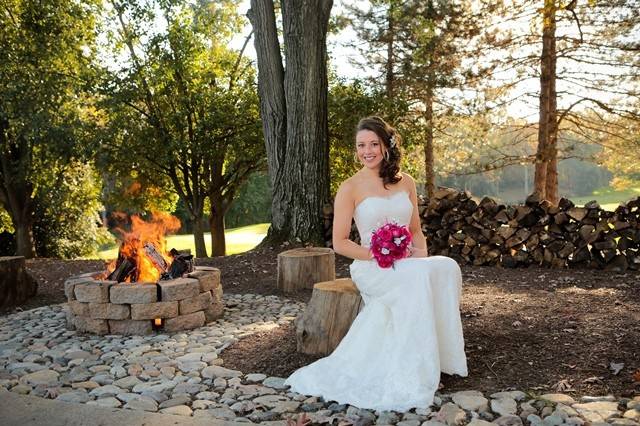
484, 232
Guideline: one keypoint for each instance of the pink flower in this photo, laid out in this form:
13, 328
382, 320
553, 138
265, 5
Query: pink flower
389, 243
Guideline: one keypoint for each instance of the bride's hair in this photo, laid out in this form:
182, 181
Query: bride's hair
390, 168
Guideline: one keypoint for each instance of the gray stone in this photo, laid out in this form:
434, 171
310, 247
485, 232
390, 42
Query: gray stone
42, 377
508, 420
558, 397
90, 325
130, 327
93, 291
149, 311
222, 413
286, 407
133, 293
180, 400
504, 406
197, 303
216, 371
74, 396
600, 411
471, 400
255, 378
184, 322
386, 418
517, 395
109, 311
275, 383
209, 279
409, 423
179, 289
106, 391
633, 414
434, 423
179, 410
269, 401
109, 402
142, 403
451, 414
127, 382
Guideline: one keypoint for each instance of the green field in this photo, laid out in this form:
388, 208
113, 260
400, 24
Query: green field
609, 198
238, 240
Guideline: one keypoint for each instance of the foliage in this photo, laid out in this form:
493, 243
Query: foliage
183, 107
5, 221
252, 204
67, 223
45, 112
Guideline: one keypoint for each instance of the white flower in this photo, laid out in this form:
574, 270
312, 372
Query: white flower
385, 251
392, 141
398, 240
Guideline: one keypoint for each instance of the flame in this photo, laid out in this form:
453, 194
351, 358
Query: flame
157, 322
141, 233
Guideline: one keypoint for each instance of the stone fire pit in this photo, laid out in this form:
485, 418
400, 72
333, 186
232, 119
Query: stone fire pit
107, 307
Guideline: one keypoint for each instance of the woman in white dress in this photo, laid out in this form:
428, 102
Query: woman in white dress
409, 329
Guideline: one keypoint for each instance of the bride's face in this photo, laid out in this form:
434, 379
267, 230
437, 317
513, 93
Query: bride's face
369, 149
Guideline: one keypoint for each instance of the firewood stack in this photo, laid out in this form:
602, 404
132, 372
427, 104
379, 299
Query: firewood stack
536, 233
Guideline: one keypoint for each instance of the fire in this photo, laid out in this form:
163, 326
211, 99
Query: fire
145, 245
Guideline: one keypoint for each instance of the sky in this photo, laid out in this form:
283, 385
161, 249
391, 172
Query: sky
523, 107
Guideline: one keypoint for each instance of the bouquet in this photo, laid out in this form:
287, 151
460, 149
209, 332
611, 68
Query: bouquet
389, 243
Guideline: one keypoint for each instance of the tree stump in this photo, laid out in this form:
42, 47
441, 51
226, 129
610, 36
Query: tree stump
329, 314
303, 267
16, 285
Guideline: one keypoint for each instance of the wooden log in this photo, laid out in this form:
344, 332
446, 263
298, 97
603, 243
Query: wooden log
303, 267
329, 314
16, 286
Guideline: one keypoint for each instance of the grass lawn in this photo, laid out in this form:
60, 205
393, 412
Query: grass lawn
238, 240
609, 198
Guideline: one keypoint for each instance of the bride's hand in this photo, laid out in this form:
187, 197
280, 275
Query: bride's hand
418, 252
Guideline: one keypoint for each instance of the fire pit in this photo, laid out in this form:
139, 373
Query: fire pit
145, 289
108, 307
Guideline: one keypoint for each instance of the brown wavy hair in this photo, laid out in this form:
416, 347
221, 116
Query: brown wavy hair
390, 168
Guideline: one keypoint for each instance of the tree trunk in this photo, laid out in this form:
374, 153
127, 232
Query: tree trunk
216, 226
307, 159
551, 185
25, 245
198, 236
294, 113
390, 76
546, 69
430, 179
272, 110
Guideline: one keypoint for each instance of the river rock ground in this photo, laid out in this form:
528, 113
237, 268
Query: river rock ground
531, 331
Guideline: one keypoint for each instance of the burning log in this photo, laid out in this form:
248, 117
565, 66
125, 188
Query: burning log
182, 264
125, 268
155, 257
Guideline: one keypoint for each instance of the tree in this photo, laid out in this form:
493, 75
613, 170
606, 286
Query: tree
293, 107
47, 50
587, 55
183, 107
425, 50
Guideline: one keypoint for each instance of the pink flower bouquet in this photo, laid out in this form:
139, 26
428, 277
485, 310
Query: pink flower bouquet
389, 243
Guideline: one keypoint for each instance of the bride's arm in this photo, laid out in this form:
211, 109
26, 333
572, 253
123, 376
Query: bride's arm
419, 242
343, 208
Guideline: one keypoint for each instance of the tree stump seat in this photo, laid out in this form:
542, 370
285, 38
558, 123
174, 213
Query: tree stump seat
329, 314
301, 268
16, 286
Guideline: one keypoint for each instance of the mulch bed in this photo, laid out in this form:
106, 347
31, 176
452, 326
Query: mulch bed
531, 329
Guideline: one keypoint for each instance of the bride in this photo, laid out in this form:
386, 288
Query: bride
409, 329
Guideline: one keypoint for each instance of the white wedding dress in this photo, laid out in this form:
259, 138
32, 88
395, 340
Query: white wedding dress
407, 333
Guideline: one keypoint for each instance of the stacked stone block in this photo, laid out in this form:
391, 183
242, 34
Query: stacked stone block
107, 307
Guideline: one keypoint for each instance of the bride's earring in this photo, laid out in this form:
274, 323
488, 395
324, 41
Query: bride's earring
386, 155
355, 158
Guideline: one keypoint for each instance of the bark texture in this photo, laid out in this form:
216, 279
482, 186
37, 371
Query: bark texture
546, 176
294, 114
